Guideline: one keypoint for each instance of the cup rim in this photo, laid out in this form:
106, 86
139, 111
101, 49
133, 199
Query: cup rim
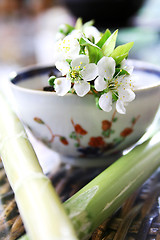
32, 70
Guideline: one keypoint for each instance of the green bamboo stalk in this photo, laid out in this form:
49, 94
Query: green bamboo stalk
99, 199
42, 212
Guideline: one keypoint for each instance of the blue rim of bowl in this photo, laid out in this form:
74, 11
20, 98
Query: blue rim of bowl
52, 70
33, 71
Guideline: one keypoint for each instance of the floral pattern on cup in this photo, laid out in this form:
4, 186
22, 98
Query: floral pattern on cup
97, 145
62, 139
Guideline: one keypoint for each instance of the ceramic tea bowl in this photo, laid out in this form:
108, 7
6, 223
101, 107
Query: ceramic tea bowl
73, 126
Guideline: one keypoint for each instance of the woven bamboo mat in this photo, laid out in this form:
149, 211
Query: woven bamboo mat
137, 219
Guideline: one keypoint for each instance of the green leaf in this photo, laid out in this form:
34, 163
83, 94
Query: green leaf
82, 42
109, 45
106, 133
104, 38
51, 80
68, 61
115, 119
73, 135
97, 102
82, 50
95, 53
118, 140
112, 131
89, 23
85, 42
121, 52
134, 120
76, 145
68, 29
79, 23
115, 96
119, 72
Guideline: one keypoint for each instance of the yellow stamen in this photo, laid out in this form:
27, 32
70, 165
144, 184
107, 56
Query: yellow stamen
59, 82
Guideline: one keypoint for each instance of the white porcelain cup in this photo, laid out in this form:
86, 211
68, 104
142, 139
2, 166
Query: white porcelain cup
73, 126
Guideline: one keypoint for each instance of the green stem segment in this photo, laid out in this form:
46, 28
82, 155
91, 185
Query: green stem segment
99, 199
42, 212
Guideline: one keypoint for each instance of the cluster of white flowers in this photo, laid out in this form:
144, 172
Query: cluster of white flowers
104, 74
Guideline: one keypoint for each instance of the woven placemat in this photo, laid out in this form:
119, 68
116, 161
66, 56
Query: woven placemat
137, 219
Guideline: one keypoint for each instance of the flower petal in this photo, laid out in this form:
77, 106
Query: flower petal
126, 95
89, 72
125, 81
59, 36
82, 88
67, 48
62, 66
91, 31
80, 61
62, 86
76, 33
105, 102
120, 107
126, 67
129, 69
123, 63
106, 67
131, 95
100, 84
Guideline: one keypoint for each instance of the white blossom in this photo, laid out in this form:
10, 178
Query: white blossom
80, 72
120, 86
62, 86
72, 55
106, 70
125, 92
67, 48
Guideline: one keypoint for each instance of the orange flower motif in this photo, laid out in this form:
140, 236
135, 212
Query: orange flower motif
106, 125
38, 120
96, 142
80, 130
64, 140
126, 132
